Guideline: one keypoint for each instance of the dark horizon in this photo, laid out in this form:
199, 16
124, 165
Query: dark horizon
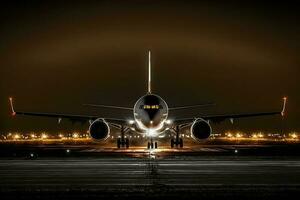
57, 56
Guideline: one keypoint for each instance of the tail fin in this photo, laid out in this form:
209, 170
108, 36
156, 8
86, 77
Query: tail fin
149, 72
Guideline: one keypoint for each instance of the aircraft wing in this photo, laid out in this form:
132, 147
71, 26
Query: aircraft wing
220, 118
73, 118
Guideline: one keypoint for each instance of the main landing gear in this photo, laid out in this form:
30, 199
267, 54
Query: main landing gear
122, 142
152, 145
177, 141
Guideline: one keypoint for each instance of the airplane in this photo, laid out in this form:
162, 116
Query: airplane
150, 118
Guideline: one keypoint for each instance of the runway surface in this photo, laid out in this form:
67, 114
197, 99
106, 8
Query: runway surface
207, 171
92, 173
172, 174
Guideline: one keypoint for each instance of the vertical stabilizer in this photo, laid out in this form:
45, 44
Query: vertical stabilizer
149, 72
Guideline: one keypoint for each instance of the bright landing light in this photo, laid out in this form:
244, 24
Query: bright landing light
151, 133
131, 122
168, 121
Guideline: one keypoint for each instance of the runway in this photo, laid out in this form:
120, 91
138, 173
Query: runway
206, 171
92, 173
174, 174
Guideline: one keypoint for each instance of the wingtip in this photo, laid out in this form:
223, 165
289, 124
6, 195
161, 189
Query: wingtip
13, 113
284, 106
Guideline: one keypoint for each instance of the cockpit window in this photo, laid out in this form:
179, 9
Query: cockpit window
150, 107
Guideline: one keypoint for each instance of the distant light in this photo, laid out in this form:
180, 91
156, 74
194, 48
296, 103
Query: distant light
68, 150
32, 135
236, 151
151, 122
294, 136
61, 135
260, 135
31, 155
75, 135
44, 136
17, 136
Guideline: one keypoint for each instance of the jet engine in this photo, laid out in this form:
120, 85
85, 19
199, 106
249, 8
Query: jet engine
99, 129
200, 129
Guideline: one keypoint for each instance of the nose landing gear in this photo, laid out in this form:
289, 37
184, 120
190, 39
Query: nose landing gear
152, 145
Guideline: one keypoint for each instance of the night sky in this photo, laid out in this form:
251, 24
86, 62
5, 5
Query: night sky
56, 56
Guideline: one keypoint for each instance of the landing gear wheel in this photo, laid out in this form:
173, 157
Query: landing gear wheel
122, 143
152, 145
177, 143
181, 142
119, 143
172, 143
127, 143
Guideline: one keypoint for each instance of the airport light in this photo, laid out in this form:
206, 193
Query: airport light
17, 136
260, 135
294, 135
44, 136
229, 135
75, 135
61, 135
33, 135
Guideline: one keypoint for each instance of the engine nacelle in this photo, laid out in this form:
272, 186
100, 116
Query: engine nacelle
200, 129
99, 130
